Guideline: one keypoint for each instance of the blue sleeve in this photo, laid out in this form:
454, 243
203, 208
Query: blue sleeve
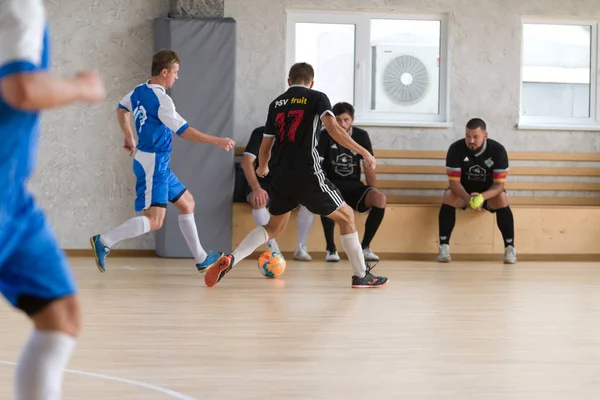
182, 129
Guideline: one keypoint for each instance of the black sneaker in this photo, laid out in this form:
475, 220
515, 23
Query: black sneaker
369, 280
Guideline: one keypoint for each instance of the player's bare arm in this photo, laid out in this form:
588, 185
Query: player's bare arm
493, 191
370, 176
42, 90
459, 190
194, 135
250, 173
338, 134
264, 155
123, 117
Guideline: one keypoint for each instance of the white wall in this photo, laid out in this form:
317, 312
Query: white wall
485, 51
84, 180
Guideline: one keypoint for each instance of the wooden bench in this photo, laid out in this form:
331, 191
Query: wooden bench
530, 185
554, 197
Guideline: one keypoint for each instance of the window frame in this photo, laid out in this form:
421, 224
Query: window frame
363, 63
565, 123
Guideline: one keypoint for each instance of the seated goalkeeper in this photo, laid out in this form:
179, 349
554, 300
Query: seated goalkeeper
477, 168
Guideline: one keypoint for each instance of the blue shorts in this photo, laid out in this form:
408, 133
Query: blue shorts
156, 184
33, 268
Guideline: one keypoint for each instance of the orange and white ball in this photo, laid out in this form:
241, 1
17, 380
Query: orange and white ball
271, 264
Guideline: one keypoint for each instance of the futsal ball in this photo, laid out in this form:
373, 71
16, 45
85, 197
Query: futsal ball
476, 201
271, 264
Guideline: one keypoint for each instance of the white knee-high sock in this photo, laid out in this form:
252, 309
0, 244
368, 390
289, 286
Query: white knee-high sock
353, 249
305, 220
129, 229
187, 224
41, 366
257, 237
261, 216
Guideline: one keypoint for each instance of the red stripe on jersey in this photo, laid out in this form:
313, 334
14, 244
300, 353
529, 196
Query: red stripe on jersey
453, 175
500, 176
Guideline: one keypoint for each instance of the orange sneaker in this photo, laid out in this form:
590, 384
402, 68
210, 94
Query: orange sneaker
218, 270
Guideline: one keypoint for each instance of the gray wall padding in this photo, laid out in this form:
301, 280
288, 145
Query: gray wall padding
204, 96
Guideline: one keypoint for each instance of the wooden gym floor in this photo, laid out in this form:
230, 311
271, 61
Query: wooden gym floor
453, 331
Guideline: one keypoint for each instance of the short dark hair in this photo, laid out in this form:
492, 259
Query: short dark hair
476, 123
343, 107
301, 73
163, 59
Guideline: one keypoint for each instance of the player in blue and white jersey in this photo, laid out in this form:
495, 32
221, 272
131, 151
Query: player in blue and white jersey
156, 120
34, 272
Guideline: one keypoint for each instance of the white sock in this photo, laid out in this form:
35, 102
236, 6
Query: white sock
257, 237
129, 229
41, 366
272, 243
305, 220
353, 249
261, 216
187, 224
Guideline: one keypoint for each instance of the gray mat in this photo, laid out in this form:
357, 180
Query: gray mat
204, 96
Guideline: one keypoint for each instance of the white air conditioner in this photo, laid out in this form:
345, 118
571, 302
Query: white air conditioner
405, 79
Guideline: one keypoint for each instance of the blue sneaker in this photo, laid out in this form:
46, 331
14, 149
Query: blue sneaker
100, 252
211, 259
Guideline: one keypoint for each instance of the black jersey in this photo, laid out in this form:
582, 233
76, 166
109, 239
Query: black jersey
295, 121
253, 148
477, 171
339, 163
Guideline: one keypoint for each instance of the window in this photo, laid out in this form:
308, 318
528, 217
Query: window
391, 68
559, 81
329, 48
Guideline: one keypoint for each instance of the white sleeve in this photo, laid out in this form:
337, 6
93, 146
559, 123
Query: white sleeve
168, 115
125, 102
22, 30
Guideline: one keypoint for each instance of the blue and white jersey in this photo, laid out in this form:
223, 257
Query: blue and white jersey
24, 48
155, 117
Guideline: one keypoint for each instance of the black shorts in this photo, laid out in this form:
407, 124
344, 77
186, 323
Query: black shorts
485, 206
354, 193
476, 187
315, 192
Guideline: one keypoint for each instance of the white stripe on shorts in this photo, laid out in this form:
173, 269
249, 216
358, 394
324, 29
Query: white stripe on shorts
318, 171
148, 162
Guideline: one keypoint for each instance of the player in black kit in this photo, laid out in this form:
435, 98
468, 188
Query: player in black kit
289, 149
258, 197
342, 168
476, 165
